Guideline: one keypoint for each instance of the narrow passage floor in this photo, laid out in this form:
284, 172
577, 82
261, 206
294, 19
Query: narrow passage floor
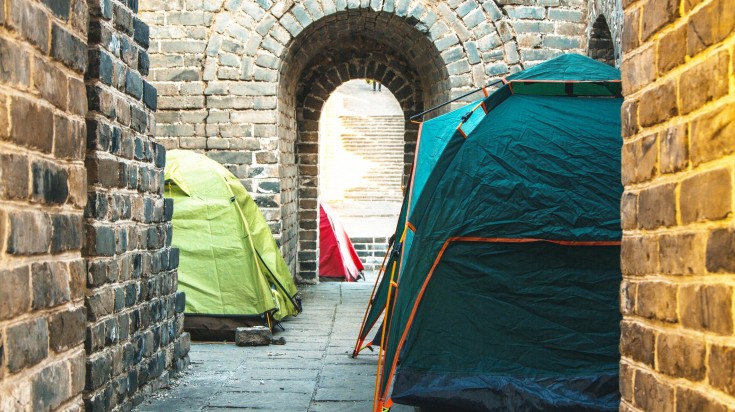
313, 371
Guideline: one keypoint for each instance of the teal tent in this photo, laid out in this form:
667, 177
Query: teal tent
507, 287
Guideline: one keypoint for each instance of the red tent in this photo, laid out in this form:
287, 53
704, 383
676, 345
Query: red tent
337, 256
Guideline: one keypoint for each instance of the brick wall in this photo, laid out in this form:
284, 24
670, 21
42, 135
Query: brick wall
42, 196
135, 318
245, 80
678, 254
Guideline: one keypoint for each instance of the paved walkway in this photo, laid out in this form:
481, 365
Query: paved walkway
313, 371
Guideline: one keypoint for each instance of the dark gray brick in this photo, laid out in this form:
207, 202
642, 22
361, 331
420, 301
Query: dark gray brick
67, 329
69, 49
30, 233
50, 183
31, 21
150, 96
50, 283
142, 32
50, 387
67, 233
133, 84
99, 371
59, 7
26, 344
100, 241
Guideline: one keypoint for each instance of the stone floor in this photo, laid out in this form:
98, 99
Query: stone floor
313, 371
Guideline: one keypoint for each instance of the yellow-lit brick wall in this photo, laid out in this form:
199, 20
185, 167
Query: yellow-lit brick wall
678, 254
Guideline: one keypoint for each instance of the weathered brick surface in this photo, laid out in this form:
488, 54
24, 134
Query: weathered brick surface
246, 81
132, 326
41, 202
683, 213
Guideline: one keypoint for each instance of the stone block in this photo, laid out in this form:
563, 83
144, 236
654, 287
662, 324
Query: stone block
657, 14
13, 176
706, 308
99, 370
657, 300
32, 124
638, 70
671, 51
692, 400
100, 304
26, 344
50, 285
721, 363
681, 357
50, 183
721, 251
50, 387
141, 32
657, 206
69, 138
51, 82
709, 25
100, 241
674, 149
67, 329
253, 336
15, 295
180, 302
710, 80
637, 342
651, 394
639, 255
150, 96
133, 84
31, 21
682, 254
712, 135
706, 196
29, 233
122, 18
658, 105
68, 49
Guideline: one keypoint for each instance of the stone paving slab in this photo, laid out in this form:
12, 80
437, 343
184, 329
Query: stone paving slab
312, 372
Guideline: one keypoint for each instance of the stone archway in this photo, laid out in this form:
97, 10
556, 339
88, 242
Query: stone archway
337, 50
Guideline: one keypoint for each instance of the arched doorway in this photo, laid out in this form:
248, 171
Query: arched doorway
328, 53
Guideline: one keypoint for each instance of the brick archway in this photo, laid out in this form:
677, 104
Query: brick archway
323, 57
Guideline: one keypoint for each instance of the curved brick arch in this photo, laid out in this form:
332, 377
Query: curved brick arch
338, 66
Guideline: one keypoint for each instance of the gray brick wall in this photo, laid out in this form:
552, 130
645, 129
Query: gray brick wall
42, 197
134, 325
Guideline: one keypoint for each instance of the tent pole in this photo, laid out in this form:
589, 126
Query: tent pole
367, 310
454, 100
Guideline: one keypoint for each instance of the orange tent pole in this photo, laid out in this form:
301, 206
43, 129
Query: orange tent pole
370, 304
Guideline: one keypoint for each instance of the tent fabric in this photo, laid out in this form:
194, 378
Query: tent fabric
337, 255
432, 140
507, 298
230, 264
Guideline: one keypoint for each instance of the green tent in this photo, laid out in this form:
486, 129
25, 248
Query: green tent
230, 266
507, 291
